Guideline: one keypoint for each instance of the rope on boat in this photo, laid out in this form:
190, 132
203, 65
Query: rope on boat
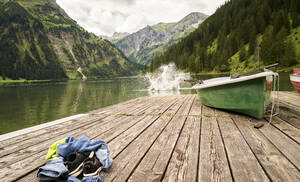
275, 101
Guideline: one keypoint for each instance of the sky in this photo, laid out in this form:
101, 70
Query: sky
104, 17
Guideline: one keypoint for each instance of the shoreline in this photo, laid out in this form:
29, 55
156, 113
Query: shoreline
8, 80
23, 131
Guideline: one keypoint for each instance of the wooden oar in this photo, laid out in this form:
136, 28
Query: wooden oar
253, 71
194, 81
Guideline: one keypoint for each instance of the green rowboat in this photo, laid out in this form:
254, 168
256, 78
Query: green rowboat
248, 95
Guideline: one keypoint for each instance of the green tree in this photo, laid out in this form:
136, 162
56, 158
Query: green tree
191, 63
198, 64
243, 54
266, 46
295, 6
252, 40
289, 54
234, 25
260, 22
278, 46
295, 20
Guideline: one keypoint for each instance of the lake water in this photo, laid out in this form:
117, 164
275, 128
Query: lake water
28, 104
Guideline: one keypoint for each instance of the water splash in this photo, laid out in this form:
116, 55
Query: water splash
166, 78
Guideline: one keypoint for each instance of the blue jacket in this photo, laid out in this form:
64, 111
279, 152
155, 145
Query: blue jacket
84, 145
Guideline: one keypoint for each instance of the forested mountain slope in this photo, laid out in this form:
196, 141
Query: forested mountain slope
142, 46
38, 40
240, 35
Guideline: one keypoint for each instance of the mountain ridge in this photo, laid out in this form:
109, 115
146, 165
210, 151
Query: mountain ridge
143, 45
40, 41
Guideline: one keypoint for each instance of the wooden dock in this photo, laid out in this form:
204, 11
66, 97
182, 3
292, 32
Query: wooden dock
172, 138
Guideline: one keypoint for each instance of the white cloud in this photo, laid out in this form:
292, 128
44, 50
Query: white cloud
104, 17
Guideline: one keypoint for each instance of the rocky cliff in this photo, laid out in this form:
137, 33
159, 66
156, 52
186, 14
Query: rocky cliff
38, 40
143, 45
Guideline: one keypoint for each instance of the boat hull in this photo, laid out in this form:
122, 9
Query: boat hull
295, 80
250, 97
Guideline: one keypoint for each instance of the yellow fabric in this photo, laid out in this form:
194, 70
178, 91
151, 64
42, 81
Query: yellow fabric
53, 150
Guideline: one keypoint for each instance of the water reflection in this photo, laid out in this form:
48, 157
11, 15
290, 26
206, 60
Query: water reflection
24, 106
29, 104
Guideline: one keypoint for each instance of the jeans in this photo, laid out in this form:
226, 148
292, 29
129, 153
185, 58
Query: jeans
53, 170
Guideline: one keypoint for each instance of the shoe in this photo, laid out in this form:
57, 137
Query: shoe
75, 161
91, 167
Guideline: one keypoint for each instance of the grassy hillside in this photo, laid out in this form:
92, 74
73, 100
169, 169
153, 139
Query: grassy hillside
240, 35
162, 27
38, 40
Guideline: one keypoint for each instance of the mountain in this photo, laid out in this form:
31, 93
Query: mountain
239, 36
38, 40
143, 45
116, 36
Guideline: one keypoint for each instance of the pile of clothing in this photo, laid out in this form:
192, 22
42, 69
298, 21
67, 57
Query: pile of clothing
76, 160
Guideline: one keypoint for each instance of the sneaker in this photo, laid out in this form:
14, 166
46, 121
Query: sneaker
75, 161
91, 167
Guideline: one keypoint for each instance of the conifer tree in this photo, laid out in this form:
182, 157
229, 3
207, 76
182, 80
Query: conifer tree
234, 26
243, 54
266, 46
289, 54
295, 20
252, 40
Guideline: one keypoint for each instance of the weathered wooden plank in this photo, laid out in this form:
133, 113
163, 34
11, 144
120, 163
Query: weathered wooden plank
184, 161
243, 164
213, 161
40, 161
295, 93
290, 118
133, 126
222, 113
289, 101
292, 97
196, 109
120, 128
129, 158
286, 128
274, 163
120, 142
108, 109
290, 108
154, 164
289, 98
283, 143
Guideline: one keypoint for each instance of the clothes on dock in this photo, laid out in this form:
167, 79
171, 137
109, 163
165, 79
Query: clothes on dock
103, 155
56, 169
53, 150
84, 145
